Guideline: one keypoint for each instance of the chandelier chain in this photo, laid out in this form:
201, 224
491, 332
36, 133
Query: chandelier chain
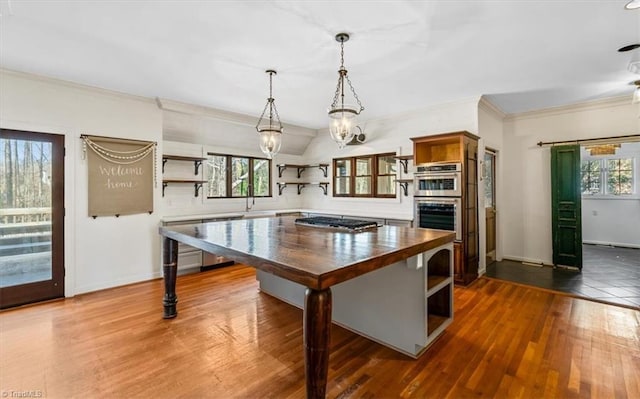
354, 93
275, 111
340, 86
270, 99
262, 116
337, 94
271, 105
270, 84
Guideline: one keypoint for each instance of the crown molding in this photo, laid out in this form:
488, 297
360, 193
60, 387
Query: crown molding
226, 116
571, 108
471, 101
490, 107
74, 85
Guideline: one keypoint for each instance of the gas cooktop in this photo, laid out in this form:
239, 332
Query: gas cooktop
337, 223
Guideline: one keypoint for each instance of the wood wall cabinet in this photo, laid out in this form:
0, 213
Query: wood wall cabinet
458, 147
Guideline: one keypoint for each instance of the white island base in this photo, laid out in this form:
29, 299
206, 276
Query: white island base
404, 306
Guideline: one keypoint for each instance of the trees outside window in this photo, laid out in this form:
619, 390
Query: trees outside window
232, 176
617, 173
619, 176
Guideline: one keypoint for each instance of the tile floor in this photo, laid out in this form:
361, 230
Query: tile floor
608, 274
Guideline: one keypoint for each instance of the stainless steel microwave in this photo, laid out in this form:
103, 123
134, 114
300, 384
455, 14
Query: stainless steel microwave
438, 180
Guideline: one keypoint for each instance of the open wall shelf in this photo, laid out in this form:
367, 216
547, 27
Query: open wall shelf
404, 185
323, 185
197, 161
404, 161
283, 166
197, 184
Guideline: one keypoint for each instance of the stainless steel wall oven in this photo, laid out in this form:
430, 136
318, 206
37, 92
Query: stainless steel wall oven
439, 213
438, 180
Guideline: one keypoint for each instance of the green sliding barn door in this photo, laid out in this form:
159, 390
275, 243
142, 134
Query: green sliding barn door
566, 207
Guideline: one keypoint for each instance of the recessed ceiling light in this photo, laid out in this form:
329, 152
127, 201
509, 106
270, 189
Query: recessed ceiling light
632, 5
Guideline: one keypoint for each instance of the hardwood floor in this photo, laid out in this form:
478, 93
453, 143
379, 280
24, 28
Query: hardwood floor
230, 340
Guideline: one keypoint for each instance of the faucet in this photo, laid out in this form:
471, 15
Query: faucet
247, 208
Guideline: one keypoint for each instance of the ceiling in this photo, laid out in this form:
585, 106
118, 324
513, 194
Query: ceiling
402, 56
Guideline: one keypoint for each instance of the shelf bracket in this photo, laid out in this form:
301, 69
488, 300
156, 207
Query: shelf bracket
324, 169
300, 187
281, 169
164, 161
405, 167
405, 187
196, 164
300, 170
164, 185
197, 187
280, 188
324, 187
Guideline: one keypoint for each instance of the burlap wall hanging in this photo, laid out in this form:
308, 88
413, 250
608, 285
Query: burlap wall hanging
121, 174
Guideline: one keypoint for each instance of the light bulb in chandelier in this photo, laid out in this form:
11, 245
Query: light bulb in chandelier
343, 125
270, 141
269, 126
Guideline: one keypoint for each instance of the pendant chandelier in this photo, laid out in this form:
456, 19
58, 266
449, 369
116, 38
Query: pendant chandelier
343, 116
270, 131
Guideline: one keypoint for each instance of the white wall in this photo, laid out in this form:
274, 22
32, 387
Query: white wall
526, 206
107, 251
490, 130
388, 135
180, 200
613, 220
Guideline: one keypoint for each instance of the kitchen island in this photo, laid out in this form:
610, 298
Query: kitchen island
314, 258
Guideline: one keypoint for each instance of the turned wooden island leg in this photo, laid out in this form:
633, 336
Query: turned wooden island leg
317, 335
170, 271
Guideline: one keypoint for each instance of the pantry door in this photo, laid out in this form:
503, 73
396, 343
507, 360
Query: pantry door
566, 206
489, 178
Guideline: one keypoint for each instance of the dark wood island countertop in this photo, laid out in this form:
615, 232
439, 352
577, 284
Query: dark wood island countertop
314, 257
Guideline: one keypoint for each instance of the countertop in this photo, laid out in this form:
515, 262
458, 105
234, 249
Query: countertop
314, 257
276, 212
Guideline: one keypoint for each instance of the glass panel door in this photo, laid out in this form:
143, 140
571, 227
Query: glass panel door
31, 217
488, 175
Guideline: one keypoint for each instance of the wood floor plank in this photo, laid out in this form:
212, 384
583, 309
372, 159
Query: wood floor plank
229, 340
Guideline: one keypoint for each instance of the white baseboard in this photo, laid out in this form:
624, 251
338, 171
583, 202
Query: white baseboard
611, 244
532, 261
117, 283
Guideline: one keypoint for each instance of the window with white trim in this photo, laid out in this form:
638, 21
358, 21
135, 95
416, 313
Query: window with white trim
608, 176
